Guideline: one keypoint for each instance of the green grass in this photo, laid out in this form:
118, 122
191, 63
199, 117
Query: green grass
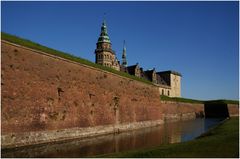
222, 101
186, 100
178, 99
36, 46
221, 141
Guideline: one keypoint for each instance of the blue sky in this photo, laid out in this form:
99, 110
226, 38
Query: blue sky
197, 39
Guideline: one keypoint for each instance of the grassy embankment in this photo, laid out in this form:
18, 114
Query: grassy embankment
36, 46
221, 141
186, 100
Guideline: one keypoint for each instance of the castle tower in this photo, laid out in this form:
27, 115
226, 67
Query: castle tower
124, 57
104, 54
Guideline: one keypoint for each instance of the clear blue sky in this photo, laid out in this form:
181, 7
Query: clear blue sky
197, 39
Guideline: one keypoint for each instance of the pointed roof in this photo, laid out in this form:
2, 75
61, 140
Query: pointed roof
124, 49
124, 58
104, 35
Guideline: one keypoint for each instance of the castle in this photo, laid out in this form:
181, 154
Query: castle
168, 82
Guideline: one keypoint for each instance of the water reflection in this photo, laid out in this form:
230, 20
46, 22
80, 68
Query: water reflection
149, 137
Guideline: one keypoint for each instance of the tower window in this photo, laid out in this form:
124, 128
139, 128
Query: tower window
162, 91
168, 93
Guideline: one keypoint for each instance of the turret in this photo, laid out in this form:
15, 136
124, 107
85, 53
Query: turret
104, 54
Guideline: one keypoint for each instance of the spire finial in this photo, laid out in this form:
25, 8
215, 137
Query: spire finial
104, 34
104, 17
124, 58
124, 47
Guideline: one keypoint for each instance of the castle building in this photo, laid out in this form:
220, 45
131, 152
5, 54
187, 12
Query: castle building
104, 54
134, 70
168, 82
151, 75
172, 79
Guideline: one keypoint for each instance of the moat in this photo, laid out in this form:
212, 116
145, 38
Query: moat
167, 133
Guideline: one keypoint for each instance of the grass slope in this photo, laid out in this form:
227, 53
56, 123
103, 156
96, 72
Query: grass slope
36, 46
178, 99
186, 100
221, 141
222, 101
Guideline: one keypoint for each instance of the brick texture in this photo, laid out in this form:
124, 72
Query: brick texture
41, 92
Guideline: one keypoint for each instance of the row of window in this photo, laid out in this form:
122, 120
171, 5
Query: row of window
107, 64
105, 56
163, 92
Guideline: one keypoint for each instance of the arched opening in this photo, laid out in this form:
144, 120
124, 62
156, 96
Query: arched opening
162, 91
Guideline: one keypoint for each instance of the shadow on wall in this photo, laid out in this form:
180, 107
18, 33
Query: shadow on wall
216, 110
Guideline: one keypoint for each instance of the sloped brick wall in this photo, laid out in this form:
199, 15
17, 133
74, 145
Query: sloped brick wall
44, 97
233, 110
41, 92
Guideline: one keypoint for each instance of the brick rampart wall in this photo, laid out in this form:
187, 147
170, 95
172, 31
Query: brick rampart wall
41, 93
233, 110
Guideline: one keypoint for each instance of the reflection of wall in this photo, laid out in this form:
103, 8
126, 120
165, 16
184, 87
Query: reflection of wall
176, 138
136, 139
198, 127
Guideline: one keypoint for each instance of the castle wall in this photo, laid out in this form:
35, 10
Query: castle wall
182, 111
47, 98
233, 110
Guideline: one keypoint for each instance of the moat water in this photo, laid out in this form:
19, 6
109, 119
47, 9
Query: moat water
167, 133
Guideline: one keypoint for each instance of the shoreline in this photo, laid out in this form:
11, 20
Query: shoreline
220, 141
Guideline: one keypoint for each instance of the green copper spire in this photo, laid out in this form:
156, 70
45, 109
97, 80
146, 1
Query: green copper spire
104, 35
124, 57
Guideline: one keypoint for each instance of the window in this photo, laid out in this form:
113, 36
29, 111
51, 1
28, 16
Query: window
168, 93
162, 91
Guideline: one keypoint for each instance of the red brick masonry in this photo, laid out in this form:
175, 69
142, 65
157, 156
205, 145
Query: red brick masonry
51, 98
